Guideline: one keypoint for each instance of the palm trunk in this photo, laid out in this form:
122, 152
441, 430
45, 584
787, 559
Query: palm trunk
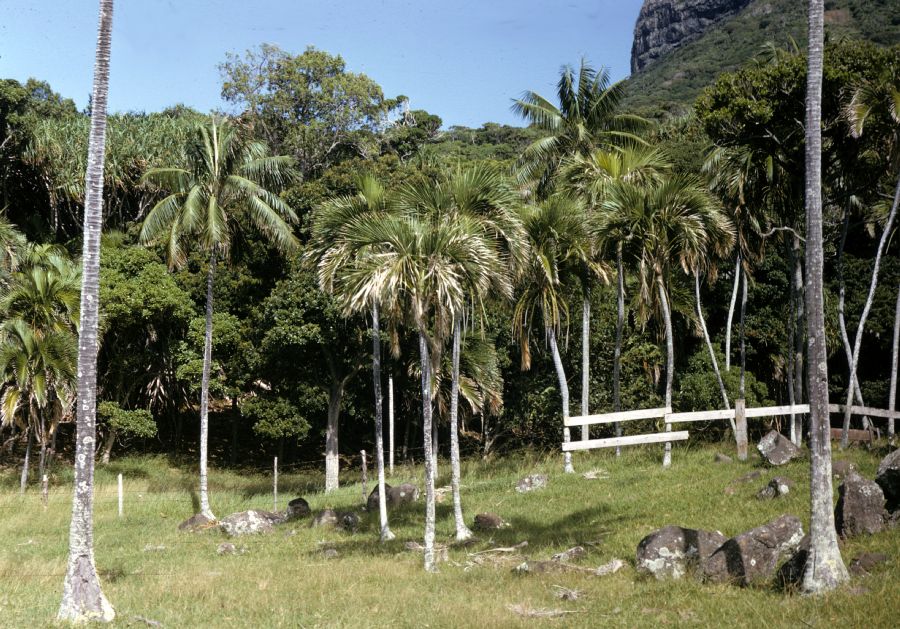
332, 463
434, 446
204, 393
857, 345
670, 363
892, 393
617, 355
83, 598
564, 393
585, 360
391, 424
23, 479
429, 462
824, 567
386, 533
709, 347
734, 292
462, 531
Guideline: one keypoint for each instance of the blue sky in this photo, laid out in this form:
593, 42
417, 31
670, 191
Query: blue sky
461, 59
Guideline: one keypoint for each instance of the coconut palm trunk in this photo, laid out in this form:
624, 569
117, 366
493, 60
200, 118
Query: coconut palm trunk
617, 354
386, 533
892, 393
824, 567
204, 393
462, 531
23, 479
734, 292
585, 359
709, 347
564, 394
429, 462
870, 298
670, 362
83, 598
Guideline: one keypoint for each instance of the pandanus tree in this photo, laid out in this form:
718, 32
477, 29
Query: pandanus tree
671, 222
332, 251
227, 182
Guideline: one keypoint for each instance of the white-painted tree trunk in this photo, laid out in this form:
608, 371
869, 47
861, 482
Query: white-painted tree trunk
429, 461
83, 599
734, 292
585, 360
332, 462
204, 393
824, 569
709, 346
564, 393
462, 531
386, 534
670, 363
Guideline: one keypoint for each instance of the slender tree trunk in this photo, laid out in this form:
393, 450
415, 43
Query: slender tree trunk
332, 463
734, 292
42, 458
23, 480
406, 431
790, 355
824, 567
434, 447
83, 598
108, 446
799, 339
857, 345
391, 424
892, 393
670, 363
429, 461
564, 393
204, 393
617, 355
585, 360
386, 533
709, 347
462, 531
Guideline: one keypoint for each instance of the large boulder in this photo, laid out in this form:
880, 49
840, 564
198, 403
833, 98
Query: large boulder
777, 449
401, 494
671, 551
860, 507
888, 478
247, 523
755, 555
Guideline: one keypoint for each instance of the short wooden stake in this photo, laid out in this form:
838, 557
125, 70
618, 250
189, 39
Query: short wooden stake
275, 485
391, 425
365, 481
121, 498
740, 428
45, 490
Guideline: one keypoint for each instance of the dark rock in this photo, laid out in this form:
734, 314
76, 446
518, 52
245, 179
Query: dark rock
247, 523
488, 522
888, 478
864, 563
372, 501
348, 521
196, 522
722, 458
840, 469
576, 552
296, 509
326, 517
672, 550
401, 494
755, 555
860, 507
790, 574
777, 449
532, 482
778, 486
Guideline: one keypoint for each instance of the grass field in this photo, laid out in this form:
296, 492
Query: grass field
151, 571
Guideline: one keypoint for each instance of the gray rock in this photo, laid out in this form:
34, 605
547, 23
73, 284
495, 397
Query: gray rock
488, 522
296, 509
196, 522
326, 517
864, 563
671, 551
777, 449
372, 501
247, 523
860, 507
348, 521
888, 478
778, 486
790, 574
576, 552
722, 458
402, 494
226, 548
756, 555
840, 469
532, 482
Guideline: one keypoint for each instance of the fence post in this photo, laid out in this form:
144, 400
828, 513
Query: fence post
365, 481
121, 498
45, 490
391, 425
275, 486
740, 428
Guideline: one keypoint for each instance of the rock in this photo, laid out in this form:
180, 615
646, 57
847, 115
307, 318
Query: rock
610, 567
247, 523
326, 517
372, 501
777, 449
540, 567
839, 469
790, 574
722, 458
888, 478
576, 552
532, 482
671, 551
864, 563
226, 548
489, 522
401, 494
196, 523
755, 555
778, 486
296, 509
330, 553
348, 521
860, 507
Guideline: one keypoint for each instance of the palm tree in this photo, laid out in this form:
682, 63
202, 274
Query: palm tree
227, 179
331, 251
83, 598
674, 219
824, 567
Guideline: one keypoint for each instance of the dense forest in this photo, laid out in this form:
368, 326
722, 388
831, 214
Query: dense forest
684, 229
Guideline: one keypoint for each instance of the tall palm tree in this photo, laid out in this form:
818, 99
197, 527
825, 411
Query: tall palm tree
671, 222
227, 180
83, 598
824, 567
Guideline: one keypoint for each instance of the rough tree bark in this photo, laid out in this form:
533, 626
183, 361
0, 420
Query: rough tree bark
734, 292
429, 462
670, 362
585, 359
462, 531
386, 533
83, 598
564, 393
204, 393
332, 463
824, 567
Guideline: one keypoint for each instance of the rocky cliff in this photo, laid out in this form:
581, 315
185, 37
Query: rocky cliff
665, 25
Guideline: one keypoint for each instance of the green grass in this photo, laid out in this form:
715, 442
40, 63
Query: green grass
283, 580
